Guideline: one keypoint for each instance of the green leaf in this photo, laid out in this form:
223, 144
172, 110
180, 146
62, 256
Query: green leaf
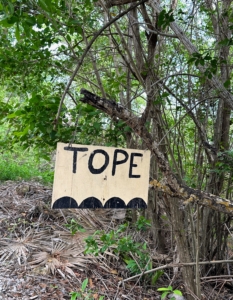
27, 29
127, 129
75, 295
202, 62
17, 33
15, 114
156, 276
191, 60
44, 5
177, 292
97, 125
169, 288
68, 38
10, 116
11, 7
164, 295
79, 29
227, 83
84, 284
207, 57
22, 133
162, 289
5, 23
226, 42
214, 63
165, 94
89, 108
31, 21
165, 18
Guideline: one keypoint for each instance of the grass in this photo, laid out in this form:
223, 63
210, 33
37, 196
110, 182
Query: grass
22, 165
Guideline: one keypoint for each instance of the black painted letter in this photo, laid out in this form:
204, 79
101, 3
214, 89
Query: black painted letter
132, 165
75, 149
90, 162
118, 162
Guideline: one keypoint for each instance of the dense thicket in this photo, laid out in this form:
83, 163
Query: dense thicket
169, 65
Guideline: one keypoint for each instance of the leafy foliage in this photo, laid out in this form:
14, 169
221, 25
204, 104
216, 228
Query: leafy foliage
134, 254
21, 165
141, 63
74, 227
165, 18
169, 290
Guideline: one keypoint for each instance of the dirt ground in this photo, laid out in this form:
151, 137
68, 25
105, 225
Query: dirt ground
40, 259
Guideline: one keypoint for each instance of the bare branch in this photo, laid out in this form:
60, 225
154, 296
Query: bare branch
110, 3
180, 265
96, 35
158, 32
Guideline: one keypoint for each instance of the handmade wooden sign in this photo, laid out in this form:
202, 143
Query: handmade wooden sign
100, 177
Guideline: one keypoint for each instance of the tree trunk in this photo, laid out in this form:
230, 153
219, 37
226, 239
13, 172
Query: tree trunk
178, 216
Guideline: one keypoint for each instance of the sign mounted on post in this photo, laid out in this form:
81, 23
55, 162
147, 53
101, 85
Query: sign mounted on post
100, 177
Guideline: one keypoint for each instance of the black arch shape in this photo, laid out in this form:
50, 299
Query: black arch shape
91, 202
115, 202
137, 203
65, 202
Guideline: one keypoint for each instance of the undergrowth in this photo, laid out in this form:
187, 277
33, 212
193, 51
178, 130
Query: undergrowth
23, 165
136, 255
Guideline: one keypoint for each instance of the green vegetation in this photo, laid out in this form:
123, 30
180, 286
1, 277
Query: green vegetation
84, 294
19, 164
120, 242
169, 290
74, 227
170, 69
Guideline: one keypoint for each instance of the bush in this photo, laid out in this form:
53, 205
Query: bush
21, 165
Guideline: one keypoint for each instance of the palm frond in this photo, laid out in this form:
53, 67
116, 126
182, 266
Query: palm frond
60, 258
18, 248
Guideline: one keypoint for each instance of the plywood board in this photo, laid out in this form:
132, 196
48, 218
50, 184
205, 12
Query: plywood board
100, 177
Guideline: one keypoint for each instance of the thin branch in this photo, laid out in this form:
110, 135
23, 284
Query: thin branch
160, 80
97, 74
215, 82
71, 96
176, 265
158, 32
96, 35
186, 114
111, 3
216, 277
209, 149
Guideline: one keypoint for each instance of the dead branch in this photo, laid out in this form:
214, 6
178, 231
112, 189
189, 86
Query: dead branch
110, 3
170, 185
178, 265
